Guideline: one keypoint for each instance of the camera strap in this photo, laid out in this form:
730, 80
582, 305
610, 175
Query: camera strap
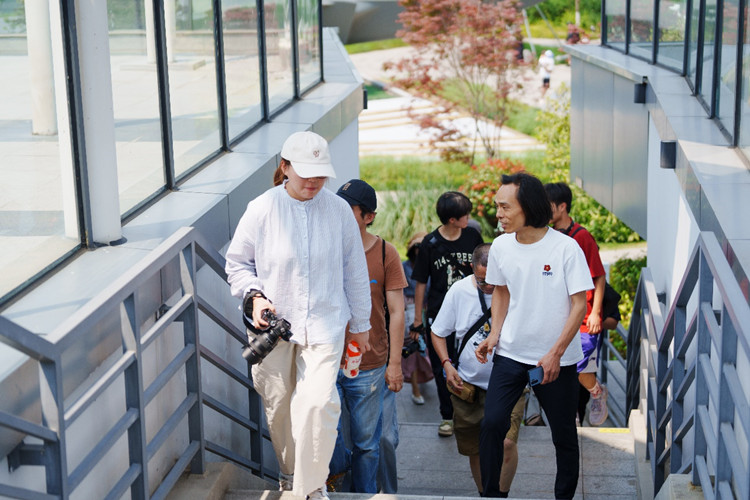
476, 326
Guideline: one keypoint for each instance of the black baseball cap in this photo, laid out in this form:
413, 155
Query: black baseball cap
358, 192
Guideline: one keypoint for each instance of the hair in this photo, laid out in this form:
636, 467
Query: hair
364, 211
559, 193
532, 197
452, 205
481, 255
412, 247
278, 175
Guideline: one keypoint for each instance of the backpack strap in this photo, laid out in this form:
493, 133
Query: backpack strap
476, 326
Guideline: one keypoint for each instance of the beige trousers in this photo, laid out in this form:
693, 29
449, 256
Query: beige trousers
298, 387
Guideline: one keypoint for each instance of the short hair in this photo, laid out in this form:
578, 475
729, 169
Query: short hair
481, 255
452, 205
559, 193
532, 197
364, 211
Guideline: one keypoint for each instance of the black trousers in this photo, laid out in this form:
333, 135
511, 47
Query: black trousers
446, 407
559, 399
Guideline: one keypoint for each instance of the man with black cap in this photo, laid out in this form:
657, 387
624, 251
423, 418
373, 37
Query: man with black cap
363, 395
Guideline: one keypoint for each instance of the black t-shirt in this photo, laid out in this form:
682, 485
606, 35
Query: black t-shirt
444, 263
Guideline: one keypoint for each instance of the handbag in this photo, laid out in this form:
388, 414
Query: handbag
467, 393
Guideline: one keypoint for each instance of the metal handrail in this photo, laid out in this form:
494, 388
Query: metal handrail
696, 407
613, 370
187, 250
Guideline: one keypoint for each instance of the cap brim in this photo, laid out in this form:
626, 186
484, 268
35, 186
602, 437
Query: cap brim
306, 170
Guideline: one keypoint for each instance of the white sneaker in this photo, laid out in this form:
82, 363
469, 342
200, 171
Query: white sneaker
598, 412
319, 494
286, 482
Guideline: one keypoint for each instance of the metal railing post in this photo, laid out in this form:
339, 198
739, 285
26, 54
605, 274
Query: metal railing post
53, 417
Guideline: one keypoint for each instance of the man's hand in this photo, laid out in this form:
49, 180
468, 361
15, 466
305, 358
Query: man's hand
594, 323
452, 378
261, 304
416, 330
484, 348
551, 365
363, 339
394, 377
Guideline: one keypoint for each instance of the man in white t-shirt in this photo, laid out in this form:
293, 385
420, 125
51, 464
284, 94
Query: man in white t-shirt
463, 313
538, 303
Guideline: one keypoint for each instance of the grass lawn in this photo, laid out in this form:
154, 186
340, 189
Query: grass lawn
391, 43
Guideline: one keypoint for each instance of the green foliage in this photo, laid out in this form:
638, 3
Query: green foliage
375, 92
357, 48
385, 173
522, 117
623, 276
482, 182
554, 132
561, 12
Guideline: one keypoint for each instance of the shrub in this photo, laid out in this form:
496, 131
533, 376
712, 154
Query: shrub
481, 184
623, 276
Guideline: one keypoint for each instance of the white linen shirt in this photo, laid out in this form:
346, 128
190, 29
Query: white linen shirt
307, 258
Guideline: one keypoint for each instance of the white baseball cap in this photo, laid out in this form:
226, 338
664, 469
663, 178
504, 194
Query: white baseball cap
308, 154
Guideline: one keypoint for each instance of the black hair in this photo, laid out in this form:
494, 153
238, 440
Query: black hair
481, 254
532, 197
452, 205
364, 211
559, 193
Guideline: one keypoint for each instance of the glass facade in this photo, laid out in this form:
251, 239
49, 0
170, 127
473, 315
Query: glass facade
705, 40
174, 107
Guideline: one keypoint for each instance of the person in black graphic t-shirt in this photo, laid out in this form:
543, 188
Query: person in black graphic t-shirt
444, 258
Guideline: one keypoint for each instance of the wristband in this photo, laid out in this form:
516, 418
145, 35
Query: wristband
446, 360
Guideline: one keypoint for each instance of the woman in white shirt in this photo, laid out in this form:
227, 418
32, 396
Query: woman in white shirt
297, 251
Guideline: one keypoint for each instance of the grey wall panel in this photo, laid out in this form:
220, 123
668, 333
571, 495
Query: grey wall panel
629, 157
577, 93
597, 141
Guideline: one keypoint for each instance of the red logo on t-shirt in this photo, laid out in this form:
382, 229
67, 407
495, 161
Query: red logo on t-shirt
547, 267
547, 271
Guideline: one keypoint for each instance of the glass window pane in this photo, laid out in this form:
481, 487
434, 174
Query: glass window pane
693, 41
728, 64
308, 31
641, 28
140, 163
672, 17
708, 52
240, 33
38, 211
744, 139
279, 53
192, 81
615, 11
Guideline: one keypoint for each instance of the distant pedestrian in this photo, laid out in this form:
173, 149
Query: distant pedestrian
546, 66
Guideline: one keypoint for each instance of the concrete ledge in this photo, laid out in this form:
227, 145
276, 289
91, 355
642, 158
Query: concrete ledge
214, 483
679, 486
644, 483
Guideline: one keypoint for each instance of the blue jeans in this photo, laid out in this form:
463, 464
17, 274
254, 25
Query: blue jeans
363, 397
387, 477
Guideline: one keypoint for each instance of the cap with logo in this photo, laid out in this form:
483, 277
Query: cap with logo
358, 192
308, 154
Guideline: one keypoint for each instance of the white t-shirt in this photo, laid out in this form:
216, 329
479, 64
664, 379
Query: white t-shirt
459, 312
540, 277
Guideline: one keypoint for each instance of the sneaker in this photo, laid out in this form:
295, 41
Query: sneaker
446, 428
598, 409
286, 482
417, 400
319, 494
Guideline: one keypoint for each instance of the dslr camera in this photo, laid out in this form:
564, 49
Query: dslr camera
263, 341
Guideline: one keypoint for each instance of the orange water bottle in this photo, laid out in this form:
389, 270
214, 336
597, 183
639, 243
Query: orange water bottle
352, 360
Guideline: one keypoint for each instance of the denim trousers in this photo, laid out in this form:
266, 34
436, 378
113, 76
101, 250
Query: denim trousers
363, 397
559, 400
387, 476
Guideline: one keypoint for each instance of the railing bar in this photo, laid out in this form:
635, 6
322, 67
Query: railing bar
70, 330
666, 379
614, 351
102, 447
26, 427
166, 375
219, 363
124, 483
664, 420
738, 396
704, 364
714, 329
89, 397
210, 256
702, 468
220, 320
735, 457
711, 438
230, 455
24, 494
176, 471
725, 491
166, 321
29, 343
687, 380
687, 467
170, 425
687, 340
229, 413
680, 434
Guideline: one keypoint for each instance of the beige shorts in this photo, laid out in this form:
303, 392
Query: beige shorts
467, 420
